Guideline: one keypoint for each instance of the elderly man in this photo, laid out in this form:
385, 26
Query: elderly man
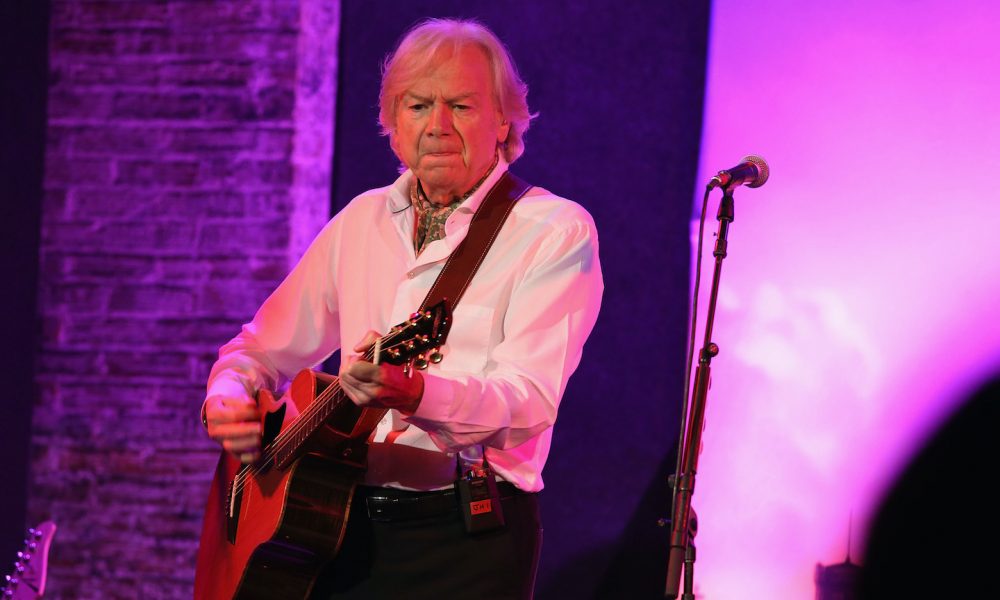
455, 111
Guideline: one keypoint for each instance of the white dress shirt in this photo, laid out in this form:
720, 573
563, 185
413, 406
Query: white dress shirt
516, 337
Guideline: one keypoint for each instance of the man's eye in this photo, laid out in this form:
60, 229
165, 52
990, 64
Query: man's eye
462, 107
418, 106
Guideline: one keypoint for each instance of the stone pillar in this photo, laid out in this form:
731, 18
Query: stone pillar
188, 163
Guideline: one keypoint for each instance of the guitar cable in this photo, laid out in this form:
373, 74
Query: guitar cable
690, 351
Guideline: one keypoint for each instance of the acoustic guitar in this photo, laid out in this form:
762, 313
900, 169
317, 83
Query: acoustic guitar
27, 582
272, 525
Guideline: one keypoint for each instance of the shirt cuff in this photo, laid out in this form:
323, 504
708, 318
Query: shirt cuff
436, 403
227, 386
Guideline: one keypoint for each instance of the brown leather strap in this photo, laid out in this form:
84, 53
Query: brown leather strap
464, 261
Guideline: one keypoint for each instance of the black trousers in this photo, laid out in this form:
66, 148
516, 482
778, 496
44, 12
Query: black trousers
434, 558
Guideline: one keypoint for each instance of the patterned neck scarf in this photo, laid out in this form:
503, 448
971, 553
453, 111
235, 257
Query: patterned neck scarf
432, 217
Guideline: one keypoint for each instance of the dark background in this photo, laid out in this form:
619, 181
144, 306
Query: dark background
23, 91
619, 89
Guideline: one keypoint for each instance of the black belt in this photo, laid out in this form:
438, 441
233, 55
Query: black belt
389, 504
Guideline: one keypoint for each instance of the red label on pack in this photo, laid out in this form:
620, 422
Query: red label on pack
483, 506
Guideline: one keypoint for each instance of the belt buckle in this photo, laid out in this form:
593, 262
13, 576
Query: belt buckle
376, 506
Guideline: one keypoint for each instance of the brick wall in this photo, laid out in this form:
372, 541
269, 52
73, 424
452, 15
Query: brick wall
188, 162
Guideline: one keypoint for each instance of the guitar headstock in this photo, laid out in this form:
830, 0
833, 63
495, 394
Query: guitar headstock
416, 339
27, 582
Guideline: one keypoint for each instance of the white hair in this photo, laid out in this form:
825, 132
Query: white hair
416, 54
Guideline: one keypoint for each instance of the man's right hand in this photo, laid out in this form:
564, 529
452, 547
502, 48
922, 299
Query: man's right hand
234, 422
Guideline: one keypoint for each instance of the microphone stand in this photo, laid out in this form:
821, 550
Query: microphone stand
683, 524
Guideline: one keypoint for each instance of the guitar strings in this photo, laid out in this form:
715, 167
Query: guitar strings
386, 343
314, 407
285, 437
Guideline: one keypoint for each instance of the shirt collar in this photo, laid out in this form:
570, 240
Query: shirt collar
471, 204
398, 198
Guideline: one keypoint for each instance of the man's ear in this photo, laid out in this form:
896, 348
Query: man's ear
394, 144
395, 150
503, 132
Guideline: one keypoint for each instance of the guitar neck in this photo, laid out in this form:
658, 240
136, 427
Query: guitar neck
413, 342
289, 444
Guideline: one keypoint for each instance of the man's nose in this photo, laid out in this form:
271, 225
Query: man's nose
440, 119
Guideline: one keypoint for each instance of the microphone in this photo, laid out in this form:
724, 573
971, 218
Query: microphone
752, 170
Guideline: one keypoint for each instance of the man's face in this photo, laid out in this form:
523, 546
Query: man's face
448, 125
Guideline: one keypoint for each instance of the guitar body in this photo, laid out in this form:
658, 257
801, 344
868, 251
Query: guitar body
271, 526
294, 525
287, 521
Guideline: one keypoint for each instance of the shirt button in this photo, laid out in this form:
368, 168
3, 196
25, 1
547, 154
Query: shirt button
410, 275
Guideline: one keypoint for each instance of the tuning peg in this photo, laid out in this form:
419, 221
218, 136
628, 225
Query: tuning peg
435, 357
23, 556
420, 363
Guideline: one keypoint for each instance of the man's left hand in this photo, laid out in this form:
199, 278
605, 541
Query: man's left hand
383, 385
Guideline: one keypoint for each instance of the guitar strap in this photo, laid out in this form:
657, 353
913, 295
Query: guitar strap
476, 490
465, 260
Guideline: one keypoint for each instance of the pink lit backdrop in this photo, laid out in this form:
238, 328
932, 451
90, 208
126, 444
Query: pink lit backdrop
858, 298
